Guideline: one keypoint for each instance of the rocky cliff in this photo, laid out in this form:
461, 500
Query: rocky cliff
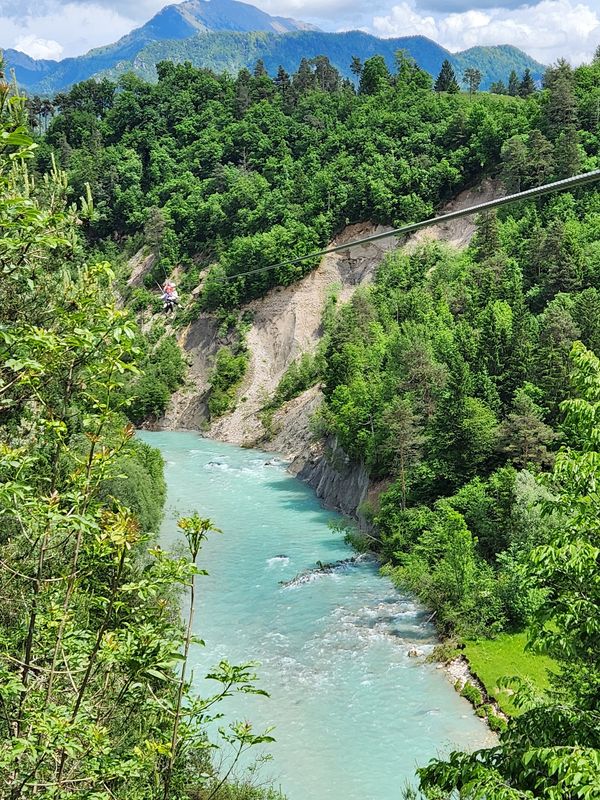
286, 323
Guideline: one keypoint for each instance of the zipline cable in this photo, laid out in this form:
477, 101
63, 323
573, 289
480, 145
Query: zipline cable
537, 191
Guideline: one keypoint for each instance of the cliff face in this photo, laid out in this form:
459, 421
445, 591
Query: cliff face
337, 481
322, 464
287, 323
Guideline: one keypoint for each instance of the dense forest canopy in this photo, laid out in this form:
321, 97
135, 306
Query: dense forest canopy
465, 380
245, 172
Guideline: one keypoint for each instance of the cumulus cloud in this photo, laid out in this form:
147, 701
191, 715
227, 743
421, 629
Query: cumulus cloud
36, 47
132, 9
468, 5
77, 27
547, 30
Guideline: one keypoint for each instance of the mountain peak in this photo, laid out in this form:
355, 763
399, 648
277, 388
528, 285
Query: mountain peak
180, 20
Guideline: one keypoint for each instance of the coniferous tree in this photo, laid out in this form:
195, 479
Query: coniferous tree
515, 164
403, 442
260, 71
498, 87
524, 436
513, 84
446, 80
561, 109
304, 79
283, 83
486, 241
527, 85
567, 160
326, 75
540, 157
356, 67
562, 260
375, 76
243, 92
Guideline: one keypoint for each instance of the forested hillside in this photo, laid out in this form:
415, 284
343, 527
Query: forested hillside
231, 51
235, 174
95, 698
466, 381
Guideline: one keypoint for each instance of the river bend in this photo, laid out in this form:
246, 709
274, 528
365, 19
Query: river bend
353, 714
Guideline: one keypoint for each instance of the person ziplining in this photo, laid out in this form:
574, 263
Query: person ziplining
169, 297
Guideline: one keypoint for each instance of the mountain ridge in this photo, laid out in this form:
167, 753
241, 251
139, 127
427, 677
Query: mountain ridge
226, 35
229, 51
173, 22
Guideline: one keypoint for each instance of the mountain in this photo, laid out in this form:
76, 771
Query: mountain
230, 51
226, 35
174, 22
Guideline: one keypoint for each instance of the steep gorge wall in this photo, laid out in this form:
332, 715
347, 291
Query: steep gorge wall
286, 323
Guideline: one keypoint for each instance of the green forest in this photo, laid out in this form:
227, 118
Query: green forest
468, 381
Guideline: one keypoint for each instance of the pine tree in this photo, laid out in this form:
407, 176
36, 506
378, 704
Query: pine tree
524, 436
515, 165
540, 157
326, 75
242, 92
561, 110
259, 69
356, 67
498, 87
486, 241
562, 259
527, 85
513, 84
283, 83
446, 80
567, 159
403, 441
304, 79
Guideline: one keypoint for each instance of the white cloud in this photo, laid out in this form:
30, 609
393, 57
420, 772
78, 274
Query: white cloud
547, 30
36, 47
74, 27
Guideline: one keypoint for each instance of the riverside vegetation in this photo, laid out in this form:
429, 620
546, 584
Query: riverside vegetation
95, 699
449, 376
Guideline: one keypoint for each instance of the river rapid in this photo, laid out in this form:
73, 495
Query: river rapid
353, 713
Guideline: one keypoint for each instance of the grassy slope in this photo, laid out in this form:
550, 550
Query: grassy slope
491, 659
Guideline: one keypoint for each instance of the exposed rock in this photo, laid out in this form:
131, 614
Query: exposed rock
139, 266
459, 232
415, 653
309, 575
188, 407
341, 484
287, 323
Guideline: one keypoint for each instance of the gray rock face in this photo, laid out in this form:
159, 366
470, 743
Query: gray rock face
338, 482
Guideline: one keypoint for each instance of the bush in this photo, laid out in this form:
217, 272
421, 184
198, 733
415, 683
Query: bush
227, 374
163, 371
299, 376
444, 653
497, 724
472, 694
139, 485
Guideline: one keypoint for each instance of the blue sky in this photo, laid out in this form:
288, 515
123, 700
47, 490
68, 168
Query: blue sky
547, 29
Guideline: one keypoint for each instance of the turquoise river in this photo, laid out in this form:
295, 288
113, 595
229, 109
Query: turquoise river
353, 714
